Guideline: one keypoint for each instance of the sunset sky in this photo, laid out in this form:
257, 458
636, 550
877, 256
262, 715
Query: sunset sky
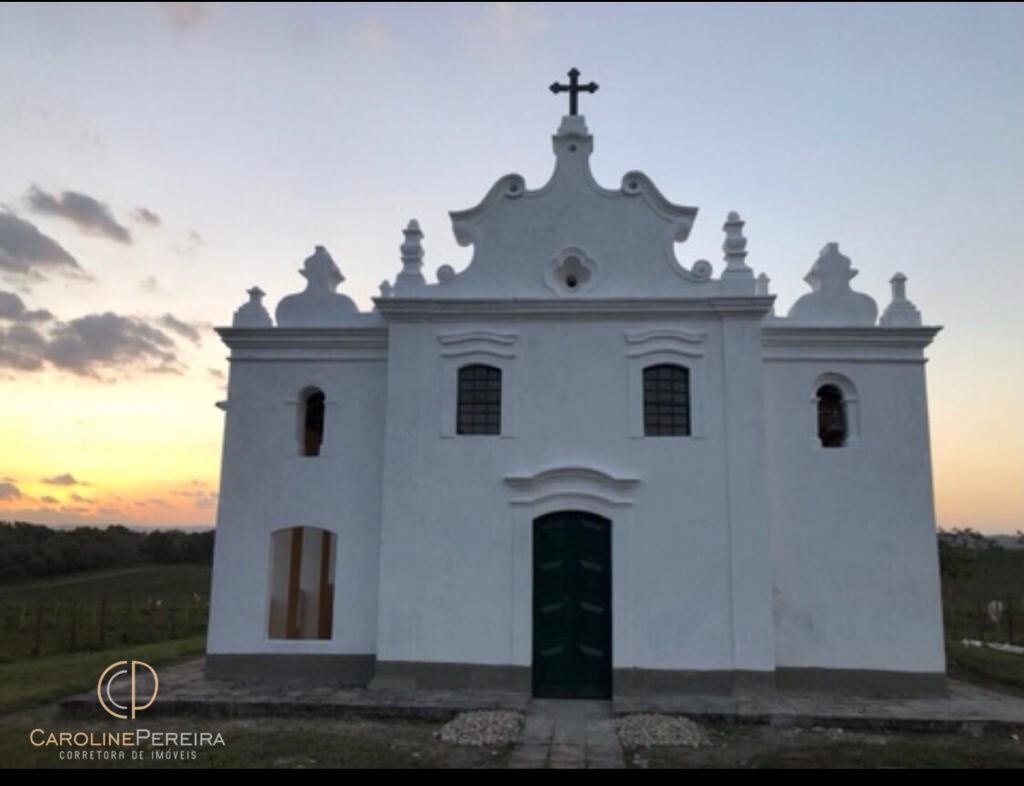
158, 159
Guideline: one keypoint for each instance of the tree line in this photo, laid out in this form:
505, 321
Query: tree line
32, 550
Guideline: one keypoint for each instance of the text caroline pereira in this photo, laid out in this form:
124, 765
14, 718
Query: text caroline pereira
123, 745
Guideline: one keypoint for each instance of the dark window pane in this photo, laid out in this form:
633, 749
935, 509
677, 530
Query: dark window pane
313, 427
831, 417
666, 401
479, 404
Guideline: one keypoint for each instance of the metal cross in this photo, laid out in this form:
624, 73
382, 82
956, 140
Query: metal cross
574, 88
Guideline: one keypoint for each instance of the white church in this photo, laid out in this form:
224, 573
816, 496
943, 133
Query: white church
580, 467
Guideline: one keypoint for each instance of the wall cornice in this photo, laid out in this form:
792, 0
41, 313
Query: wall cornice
425, 309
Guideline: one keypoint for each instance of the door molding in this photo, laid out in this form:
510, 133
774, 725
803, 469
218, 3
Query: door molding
577, 480
575, 487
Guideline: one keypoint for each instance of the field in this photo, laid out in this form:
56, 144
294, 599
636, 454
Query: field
31, 682
142, 581
996, 575
76, 625
98, 610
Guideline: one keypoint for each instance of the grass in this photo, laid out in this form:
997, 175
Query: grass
944, 752
29, 686
140, 582
986, 667
284, 744
97, 610
34, 681
771, 747
996, 574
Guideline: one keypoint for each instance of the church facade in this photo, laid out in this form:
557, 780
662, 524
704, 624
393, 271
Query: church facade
578, 467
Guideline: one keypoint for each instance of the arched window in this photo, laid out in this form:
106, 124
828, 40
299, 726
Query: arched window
832, 427
666, 401
312, 421
478, 410
301, 583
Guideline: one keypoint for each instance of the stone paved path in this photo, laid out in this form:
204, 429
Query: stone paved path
185, 692
564, 734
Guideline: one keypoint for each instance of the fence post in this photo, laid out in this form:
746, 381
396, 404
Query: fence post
981, 622
171, 613
1009, 620
103, 622
38, 638
73, 644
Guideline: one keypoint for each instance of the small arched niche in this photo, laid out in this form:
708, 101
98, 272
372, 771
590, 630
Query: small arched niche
836, 414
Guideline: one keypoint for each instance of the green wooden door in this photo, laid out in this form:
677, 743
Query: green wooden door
572, 599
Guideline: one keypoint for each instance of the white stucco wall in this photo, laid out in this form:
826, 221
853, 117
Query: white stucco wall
456, 564
267, 485
853, 546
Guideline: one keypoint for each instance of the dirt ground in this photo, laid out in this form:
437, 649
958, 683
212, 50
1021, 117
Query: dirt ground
355, 743
743, 746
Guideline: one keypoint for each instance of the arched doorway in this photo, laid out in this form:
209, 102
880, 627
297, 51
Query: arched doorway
572, 606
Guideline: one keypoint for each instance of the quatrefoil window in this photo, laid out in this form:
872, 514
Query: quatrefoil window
572, 272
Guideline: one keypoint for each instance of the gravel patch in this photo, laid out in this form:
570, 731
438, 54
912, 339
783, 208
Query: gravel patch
483, 728
650, 731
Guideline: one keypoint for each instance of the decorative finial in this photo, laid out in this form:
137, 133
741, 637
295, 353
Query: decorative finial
735, 248
411, 276
574, 88
386, 289
320, 271
252, 314
761, 285
900, 312
319, 305
833, 301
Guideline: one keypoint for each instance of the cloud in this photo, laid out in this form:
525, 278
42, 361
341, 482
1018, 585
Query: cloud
21, 348
85, 345
155, 501
12, 309
191, 244
201, 499
150, 284
27, 252
217, 374
67, 479
90, 344
80, 498
9, 480
49, 500
373, 34
87, 213
190, 332
142, 215
509, 23
185, 16
9, 491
